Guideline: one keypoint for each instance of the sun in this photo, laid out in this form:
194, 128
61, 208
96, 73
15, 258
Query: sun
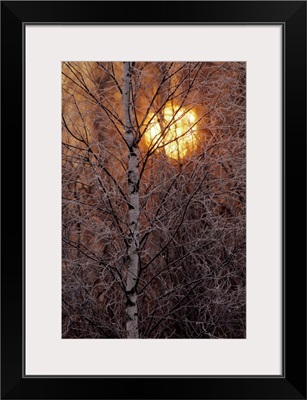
172, 132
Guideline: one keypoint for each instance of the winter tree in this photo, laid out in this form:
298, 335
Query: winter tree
153, 209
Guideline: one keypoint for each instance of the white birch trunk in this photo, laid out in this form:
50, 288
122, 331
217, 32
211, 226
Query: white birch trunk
134, 210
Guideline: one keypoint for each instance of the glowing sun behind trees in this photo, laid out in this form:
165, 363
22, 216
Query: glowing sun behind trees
153, 200
173, 132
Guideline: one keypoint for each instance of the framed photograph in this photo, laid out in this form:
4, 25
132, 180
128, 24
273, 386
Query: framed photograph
161, 158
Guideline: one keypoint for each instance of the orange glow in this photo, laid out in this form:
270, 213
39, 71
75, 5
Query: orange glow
173, 132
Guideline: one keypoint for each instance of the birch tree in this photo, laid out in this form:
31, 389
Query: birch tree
134, 207
153, 200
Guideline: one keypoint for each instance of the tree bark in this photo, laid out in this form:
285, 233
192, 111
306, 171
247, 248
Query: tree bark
134, 209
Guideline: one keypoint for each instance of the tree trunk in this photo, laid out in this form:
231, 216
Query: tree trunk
134, 210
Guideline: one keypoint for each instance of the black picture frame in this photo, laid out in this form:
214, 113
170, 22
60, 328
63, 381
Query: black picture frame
292, 16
